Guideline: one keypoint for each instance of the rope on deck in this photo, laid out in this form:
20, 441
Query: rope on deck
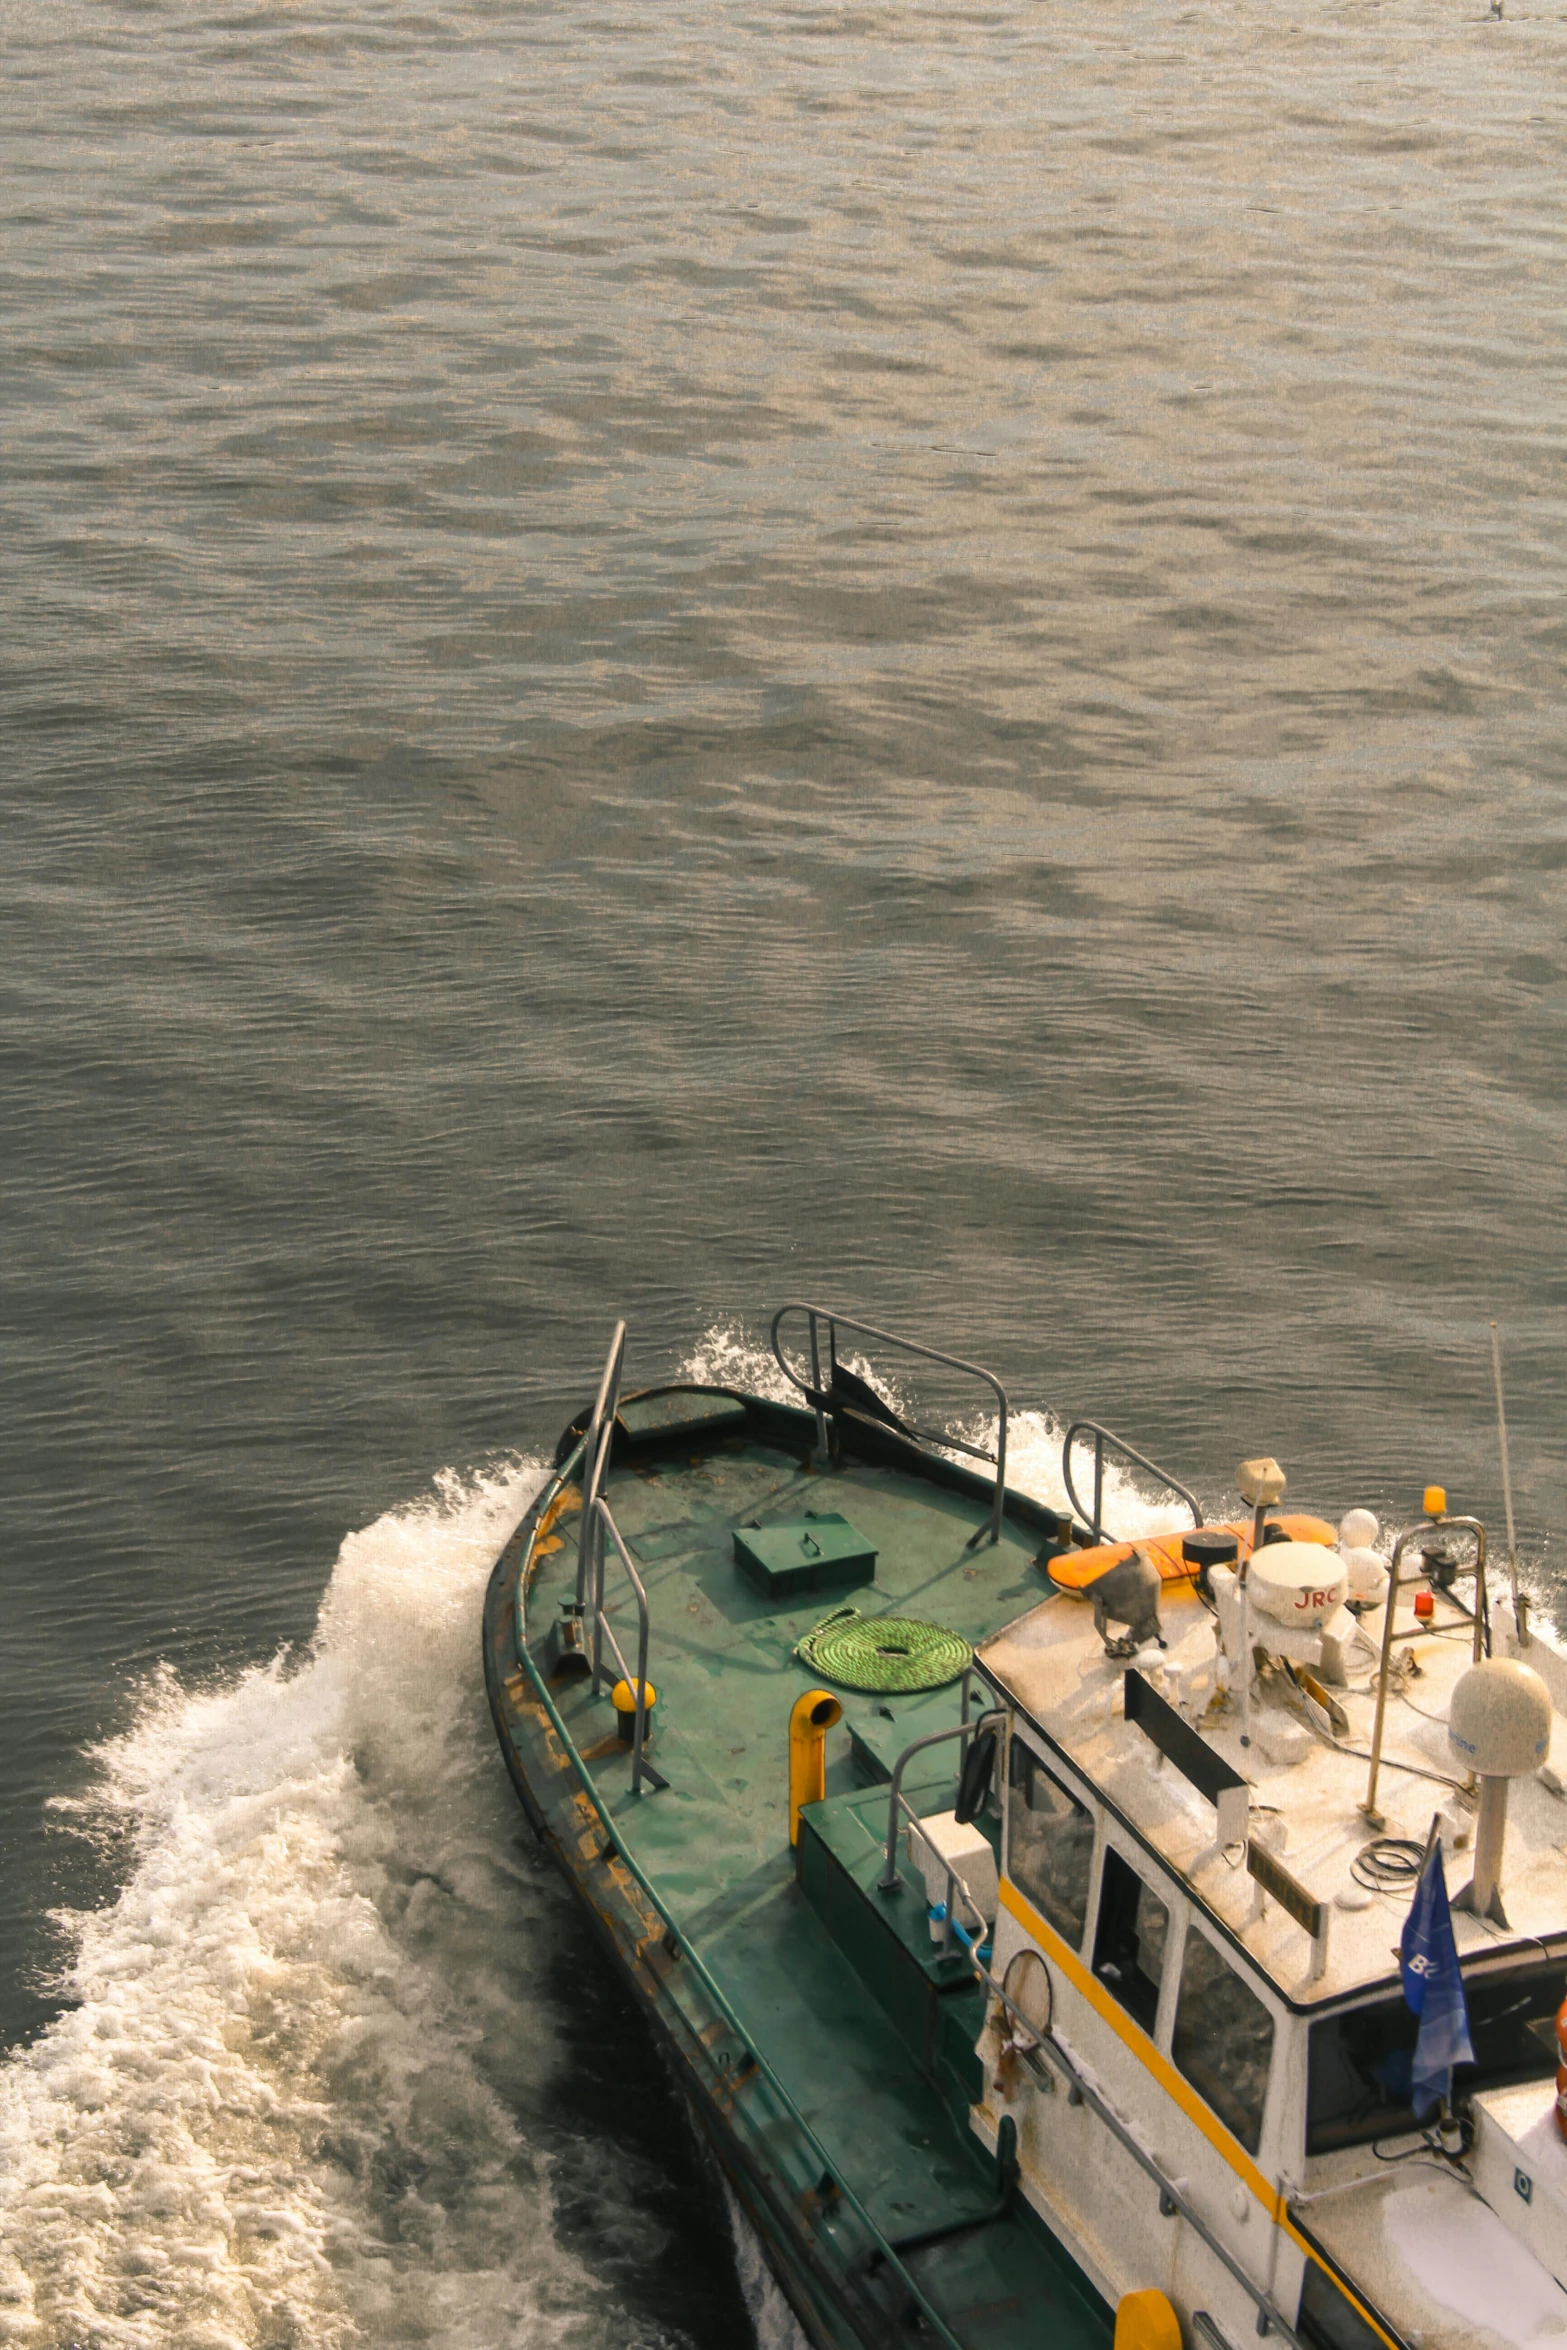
883, 1654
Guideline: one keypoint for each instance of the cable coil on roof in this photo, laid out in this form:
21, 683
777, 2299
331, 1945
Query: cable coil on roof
1388, 1864
883, 1655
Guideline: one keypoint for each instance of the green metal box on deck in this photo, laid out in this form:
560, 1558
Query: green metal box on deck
812, 1553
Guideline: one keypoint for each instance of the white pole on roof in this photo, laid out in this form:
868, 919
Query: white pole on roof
1520, 1607
1261, 1484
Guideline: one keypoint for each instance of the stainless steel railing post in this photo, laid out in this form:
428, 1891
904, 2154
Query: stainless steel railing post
639, 1686
891, 1879
590, 1542
1103, 1438
823, 1449
929, 1354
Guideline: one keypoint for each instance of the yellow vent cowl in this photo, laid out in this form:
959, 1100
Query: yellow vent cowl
1146, 2321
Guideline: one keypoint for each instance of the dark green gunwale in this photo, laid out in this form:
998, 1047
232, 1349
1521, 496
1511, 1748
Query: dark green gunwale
827, 2050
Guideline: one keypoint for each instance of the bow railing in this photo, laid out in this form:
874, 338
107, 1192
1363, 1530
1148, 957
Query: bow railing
597, 1536
1105, 1440
821, 1398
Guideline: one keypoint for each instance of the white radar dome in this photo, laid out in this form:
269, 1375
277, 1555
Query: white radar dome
1366, 1572
1357, 1530
1500, 1718
1299, 1583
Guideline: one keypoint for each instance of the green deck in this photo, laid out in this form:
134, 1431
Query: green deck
837, 1988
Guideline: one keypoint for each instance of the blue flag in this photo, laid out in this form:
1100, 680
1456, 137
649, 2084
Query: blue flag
1434, 1989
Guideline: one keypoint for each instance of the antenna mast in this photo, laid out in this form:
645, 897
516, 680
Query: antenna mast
1520, 1606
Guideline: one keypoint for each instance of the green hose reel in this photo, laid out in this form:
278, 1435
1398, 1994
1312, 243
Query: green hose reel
883, 1655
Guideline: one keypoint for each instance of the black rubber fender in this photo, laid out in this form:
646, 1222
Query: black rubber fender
979, 1768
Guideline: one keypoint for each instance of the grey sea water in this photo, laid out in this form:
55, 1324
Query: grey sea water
653, 660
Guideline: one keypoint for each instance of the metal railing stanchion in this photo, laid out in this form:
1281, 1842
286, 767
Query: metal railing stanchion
590, 1546
1106, 1437
816, 1394
823, 1448
890, 1880
640, 1768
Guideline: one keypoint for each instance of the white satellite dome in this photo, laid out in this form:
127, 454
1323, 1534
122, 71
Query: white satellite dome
1500, 1718
1357, 1530
1365, 1571
1297, 1583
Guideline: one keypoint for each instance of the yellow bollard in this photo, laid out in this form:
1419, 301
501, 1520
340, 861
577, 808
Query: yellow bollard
1146, 2321
623, 1698
810, 1719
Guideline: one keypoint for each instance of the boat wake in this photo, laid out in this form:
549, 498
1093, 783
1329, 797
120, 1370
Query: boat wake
307, 2090
327, 2071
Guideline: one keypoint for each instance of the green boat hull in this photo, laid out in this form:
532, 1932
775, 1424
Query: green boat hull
824, 2045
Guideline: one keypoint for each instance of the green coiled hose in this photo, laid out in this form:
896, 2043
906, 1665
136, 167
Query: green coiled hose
884, 1655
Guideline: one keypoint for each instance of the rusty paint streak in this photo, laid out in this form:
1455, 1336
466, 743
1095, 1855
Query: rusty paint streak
568, 1498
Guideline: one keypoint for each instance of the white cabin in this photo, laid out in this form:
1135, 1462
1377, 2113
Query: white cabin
1214, 2109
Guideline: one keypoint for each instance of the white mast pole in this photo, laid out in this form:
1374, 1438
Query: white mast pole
1520, 1607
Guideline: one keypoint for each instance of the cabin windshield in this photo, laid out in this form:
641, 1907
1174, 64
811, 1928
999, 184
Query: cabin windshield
1358, 2069
1223, 2039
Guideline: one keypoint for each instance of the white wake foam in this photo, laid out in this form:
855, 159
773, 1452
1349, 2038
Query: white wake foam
729, 1355
777, 2327
1034, 1442
295, 2097
286, 2105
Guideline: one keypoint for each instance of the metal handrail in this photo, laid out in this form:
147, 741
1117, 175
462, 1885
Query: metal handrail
820, 2158
891, 1878
1173, 2198
1172, 2195
929, 1354
593, 1451
1128, 1452
603, 1628
956, 1883
1440, 1524
596, 1450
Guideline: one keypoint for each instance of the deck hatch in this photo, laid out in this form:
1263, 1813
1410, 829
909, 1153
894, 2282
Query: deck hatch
814, 1553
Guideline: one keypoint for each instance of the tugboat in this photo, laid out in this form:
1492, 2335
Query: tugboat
1037, 1921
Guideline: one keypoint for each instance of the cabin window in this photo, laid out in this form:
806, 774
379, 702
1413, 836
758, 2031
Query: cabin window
1129, 1940
1050, 1844
1359, 2062
1223, 2039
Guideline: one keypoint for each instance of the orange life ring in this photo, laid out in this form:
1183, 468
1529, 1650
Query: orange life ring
1076, 1570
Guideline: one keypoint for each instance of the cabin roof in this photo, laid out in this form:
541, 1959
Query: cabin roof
1307, 1792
